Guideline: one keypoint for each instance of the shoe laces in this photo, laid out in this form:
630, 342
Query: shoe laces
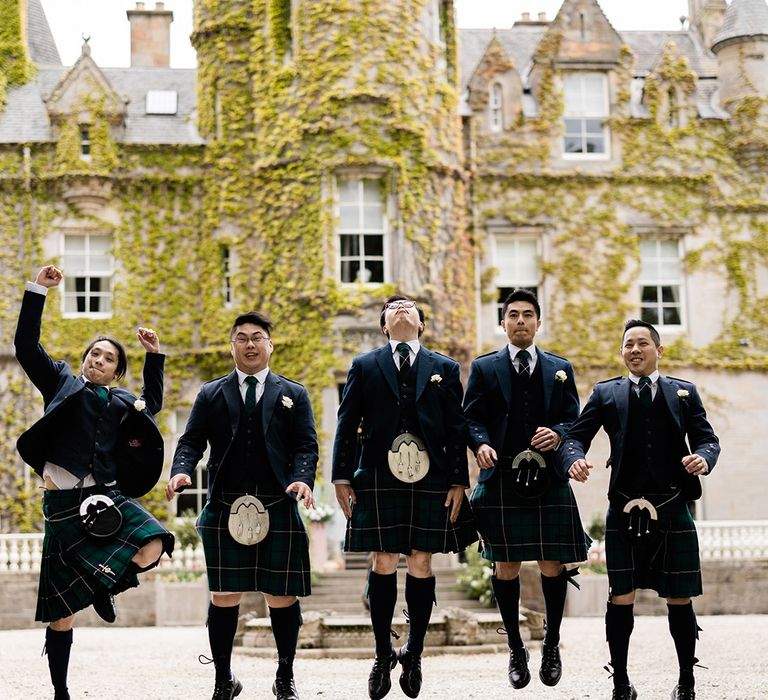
284, 684
382, 663
549, 652
685, 693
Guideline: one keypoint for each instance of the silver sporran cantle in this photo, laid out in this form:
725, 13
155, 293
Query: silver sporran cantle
248, 520
408, 458
530, 474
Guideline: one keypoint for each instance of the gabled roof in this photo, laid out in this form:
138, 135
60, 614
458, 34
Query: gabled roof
743, 19
42, 47
587, 36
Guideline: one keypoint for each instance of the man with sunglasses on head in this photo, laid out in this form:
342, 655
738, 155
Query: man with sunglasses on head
264, 453
405, 492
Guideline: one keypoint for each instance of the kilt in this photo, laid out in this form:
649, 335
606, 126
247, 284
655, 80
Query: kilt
278, 565
76, 566
392, 516
671, 567
514, 529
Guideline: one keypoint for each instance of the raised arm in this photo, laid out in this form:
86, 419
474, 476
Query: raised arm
154, 363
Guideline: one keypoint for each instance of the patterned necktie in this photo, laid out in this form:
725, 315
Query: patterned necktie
405, 357
646, 396
523, 369
250, 395
101, 391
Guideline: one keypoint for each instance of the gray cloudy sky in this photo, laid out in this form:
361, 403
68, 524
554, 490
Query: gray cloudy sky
105, 21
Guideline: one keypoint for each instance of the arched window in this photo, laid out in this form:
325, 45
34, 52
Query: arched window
496, 108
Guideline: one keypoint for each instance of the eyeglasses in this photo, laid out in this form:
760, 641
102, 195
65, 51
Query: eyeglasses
245, 339
401, 305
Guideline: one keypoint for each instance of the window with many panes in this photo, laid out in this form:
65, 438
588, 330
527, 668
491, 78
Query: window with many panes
586, 109
516, 259
193, 498
496, 108
362, 230
88, 270
660, 282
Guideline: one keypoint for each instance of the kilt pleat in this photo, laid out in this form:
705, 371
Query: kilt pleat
278, 565
516, 529
76, 566
392, 516
671, 567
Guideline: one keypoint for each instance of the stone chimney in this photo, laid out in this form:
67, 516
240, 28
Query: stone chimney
150, 36
706, 17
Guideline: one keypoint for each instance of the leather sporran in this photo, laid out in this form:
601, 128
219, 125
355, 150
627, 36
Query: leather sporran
100, 516
248, 520
530, 474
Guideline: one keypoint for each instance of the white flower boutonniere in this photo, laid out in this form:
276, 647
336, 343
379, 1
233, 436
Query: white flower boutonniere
682, 393
435, 379
287, 402
560, 375
139, 404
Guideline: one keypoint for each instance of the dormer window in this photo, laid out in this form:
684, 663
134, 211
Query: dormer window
586, 111
85, 143
161, 102
496, 108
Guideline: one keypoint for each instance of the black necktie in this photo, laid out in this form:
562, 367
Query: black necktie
646, 397
523, 369
101, 391
405, 357
250, 395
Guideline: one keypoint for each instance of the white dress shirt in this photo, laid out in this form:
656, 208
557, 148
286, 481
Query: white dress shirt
413, 345
261, 376
653, 376
513, 350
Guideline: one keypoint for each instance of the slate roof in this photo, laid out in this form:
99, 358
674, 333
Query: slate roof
25, 118
42, 47
743, 18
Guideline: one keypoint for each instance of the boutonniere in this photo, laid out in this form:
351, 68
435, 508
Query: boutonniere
560, 375
139, 404
682, 393
287, 401
435, 379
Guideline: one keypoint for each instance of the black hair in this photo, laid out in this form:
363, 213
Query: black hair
521, 295
637, 323
254, 317
122, 358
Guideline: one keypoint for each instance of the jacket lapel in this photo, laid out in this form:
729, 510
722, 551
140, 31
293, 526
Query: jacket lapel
621, 391
234, 401
670, 394
269, 399
547, 377
503, 368
387, 365
425, 360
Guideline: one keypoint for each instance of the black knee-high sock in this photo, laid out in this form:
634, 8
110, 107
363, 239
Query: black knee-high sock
554, 590
419, 597
507, 593
684, 631
222, 626
286, 623
382, 597
619, 623
58, 646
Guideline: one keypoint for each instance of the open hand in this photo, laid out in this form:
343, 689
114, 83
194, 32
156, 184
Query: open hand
303, 492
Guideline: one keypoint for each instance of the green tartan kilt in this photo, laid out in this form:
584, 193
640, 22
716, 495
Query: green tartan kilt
75, 566
278, 565
514, 529
392, 516
671, 566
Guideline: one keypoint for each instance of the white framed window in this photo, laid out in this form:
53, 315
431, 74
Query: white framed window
193, 497
518, 266
362, 229
661, 282
496, 107
85, 143
586, 110
88, 268
226, 276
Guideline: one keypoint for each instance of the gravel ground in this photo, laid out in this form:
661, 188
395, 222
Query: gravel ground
161, 664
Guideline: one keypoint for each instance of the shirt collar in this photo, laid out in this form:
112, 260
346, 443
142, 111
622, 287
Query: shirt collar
86, 382
414, 345
653, 376
261, 375
513, 350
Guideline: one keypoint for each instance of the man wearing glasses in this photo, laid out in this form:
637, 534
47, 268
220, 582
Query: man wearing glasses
405, 493
264, 454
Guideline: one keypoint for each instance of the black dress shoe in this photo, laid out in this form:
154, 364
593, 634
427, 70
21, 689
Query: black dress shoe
519, 675
683, 692
379, 682
226, 690
625, 692
551, 667
61, 694
410, 678
285, 689
104, 605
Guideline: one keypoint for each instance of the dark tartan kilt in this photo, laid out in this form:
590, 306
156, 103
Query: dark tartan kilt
278, 565
392, 516
671, 567
75, 566
514, 529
